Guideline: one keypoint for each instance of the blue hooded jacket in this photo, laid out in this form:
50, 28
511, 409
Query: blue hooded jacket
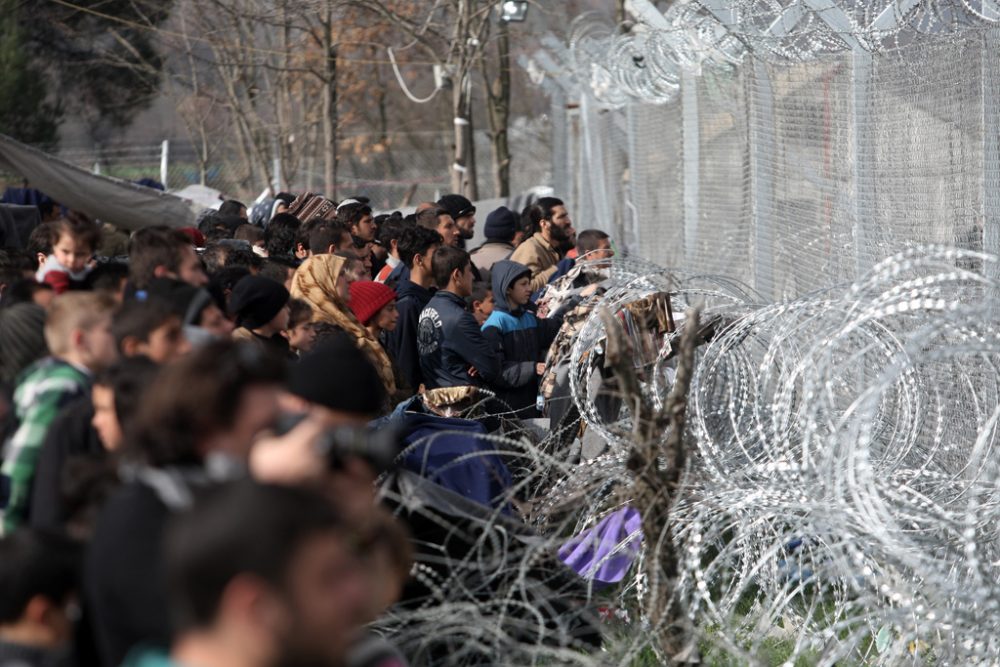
519, 338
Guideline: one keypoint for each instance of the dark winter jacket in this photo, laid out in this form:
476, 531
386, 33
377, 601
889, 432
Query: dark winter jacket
401, 343
450, 343
450, 452
71, 438
520, 339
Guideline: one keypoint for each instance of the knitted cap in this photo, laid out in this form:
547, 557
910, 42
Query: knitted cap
456, 205
367, 298
256, 300
22, 338
501, 224
337, 375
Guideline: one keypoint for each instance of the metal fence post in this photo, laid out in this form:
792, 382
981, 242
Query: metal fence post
991, 151
165, 163
762, 144
690, 155
864, 158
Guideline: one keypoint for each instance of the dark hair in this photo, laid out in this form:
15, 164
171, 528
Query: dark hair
14, 264
195, 398
248, 232
35, 563
210, 545
298, 312
23, 291
391, 230
40, 240
224, 281
480, 289
416, 241
231, 207
326, 235
138, 319
447, 260
351, 214
534, 213
286, 197
107, 276
428, 218
151, 247
276, 270
78, 226
280, 235
128, 379
587, 240
228, 254
218, 225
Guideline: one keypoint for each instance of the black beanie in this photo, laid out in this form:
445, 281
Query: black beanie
22, 338
456, 205
337, 375
501, 225
256, 300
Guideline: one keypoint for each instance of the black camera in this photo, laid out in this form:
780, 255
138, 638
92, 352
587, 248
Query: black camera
379, 448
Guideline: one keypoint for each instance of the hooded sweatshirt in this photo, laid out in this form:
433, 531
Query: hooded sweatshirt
401, 343
519, 338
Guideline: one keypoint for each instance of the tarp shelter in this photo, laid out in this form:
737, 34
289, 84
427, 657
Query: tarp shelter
126, 205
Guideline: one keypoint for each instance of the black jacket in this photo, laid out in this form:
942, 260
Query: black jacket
450, 342
519, 339
123, 574
401, 343
71, 438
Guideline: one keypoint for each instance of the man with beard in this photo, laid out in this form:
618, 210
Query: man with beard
463, 213
287, 589
553, 238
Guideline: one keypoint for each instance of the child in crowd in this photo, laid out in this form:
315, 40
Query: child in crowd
150, 328
74, 240
482, 302
78, 333
261, 309
374, 305
300, 332
518, 337
39, 580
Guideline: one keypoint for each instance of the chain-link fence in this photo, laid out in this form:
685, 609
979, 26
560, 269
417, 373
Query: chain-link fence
794, 174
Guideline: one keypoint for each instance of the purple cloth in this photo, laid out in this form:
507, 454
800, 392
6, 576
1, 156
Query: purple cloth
589, 552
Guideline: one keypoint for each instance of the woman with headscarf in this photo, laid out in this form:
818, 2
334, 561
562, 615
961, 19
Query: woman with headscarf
321, 282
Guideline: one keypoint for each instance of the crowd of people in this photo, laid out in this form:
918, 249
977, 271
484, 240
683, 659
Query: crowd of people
190, 418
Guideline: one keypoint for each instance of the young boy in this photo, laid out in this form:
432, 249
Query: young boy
78, 333
300, 332
518, 337
261, 309
38, 583
74, 240
482, 302
150, 328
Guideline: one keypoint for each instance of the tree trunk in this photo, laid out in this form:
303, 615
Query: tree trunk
330, 120
498, 109
463, 169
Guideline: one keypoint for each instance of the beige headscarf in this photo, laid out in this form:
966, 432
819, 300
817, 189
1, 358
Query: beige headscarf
315, 282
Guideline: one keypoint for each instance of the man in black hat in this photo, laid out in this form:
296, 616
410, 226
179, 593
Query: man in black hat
503, 235
464, 214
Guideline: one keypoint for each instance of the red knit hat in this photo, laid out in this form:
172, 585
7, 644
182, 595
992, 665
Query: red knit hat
367, 298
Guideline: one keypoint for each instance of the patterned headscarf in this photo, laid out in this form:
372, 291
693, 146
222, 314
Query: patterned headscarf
315, 282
